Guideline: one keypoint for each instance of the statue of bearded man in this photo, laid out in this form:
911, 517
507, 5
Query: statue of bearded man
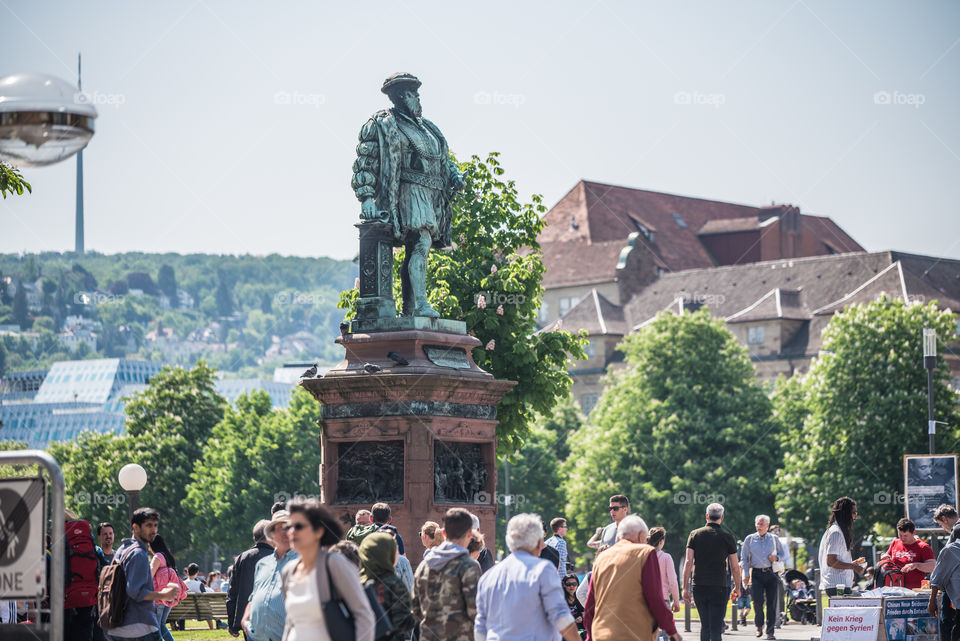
403, 174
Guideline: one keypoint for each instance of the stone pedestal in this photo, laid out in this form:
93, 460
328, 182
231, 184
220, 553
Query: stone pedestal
409, 419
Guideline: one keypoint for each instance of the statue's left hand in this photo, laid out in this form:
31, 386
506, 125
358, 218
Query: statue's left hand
368, 209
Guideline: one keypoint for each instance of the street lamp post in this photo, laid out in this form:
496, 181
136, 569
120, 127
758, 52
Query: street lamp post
132, 479
930, 362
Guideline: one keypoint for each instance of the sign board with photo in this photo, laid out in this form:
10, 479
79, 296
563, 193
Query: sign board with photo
907, 619
929, 481
851, 624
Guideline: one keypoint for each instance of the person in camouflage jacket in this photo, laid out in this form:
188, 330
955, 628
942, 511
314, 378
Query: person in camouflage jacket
378, 554
445, 584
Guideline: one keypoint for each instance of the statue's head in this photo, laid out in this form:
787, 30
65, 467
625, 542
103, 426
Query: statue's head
402, 89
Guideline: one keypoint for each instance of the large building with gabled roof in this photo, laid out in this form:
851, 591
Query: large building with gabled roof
615, 257
617, 240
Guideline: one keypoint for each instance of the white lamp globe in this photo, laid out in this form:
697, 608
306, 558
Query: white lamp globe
132, 477
43, 119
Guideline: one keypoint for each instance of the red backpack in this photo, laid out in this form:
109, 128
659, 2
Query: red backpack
83, 566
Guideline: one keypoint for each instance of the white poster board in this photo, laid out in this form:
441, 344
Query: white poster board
22, 562
850, 624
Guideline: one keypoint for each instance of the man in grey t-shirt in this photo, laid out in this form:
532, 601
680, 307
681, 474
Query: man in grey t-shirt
619, 507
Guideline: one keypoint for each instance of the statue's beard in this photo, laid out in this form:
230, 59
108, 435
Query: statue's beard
412, 107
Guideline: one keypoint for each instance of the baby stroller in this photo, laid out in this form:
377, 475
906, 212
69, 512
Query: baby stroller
800, 601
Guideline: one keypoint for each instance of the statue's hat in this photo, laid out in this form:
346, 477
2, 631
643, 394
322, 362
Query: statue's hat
398, 79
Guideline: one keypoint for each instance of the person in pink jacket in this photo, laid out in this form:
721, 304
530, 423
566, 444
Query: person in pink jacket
164, 569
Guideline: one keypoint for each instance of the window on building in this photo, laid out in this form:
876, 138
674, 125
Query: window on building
589, 349
567, 303
754, 335
588, 402
544, 312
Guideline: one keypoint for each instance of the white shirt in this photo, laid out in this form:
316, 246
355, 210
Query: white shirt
303, 609
834, 543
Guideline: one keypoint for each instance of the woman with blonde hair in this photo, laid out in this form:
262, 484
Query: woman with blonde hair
431, 535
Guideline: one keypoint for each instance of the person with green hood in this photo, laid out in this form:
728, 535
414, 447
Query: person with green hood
378, 556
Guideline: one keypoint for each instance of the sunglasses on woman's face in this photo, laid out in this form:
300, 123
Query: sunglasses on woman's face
570, 585
294, 526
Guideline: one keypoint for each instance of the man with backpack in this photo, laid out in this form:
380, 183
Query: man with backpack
127, 594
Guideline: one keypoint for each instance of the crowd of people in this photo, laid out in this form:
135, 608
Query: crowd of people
306, 579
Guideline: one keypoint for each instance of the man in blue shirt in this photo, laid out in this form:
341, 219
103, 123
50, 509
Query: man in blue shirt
760, 551
557, 542
523, 583
265, 613
140, 618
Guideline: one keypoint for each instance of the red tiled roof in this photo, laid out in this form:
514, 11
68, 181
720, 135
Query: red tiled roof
594, 213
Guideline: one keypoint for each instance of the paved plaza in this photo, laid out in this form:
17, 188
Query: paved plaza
792, 631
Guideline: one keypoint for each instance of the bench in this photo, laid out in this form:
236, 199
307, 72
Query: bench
200, 607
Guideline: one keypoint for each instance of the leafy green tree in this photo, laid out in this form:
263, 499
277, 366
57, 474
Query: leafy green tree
21, 313
167, 282
536, 468
491, 280
168, 425
684, 424
865, 402
90, 464
12, 182
255, 456
224, 296
13, 471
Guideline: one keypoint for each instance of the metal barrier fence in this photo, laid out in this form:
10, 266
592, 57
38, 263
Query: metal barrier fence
40, 631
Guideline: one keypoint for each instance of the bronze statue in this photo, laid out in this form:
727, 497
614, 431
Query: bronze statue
403, 175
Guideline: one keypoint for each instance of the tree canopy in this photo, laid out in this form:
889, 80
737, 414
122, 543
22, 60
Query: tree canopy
685, 424
858, 411
254, 457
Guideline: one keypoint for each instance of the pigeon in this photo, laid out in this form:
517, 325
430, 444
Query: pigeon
344, 329
396, 358
310, 373
370, 368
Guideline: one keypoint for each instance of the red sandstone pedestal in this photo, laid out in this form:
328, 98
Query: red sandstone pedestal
426, 428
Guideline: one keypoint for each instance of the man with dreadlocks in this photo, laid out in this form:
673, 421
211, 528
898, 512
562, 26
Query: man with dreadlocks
836, 562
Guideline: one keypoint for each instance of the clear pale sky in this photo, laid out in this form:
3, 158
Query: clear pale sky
230, 127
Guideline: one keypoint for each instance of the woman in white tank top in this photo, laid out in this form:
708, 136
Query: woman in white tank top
307, 581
